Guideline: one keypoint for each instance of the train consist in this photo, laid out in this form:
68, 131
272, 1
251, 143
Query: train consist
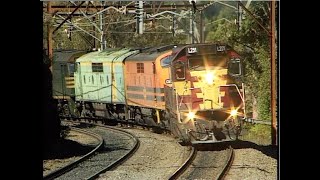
194, 90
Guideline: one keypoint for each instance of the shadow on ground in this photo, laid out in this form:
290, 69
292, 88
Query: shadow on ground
65, 149
268, 150
84, 125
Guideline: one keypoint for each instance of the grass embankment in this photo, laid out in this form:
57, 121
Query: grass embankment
257, 133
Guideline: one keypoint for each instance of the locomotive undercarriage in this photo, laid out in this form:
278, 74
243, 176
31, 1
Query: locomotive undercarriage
198, 130
67, 107
206, 130
148, 117
113, 112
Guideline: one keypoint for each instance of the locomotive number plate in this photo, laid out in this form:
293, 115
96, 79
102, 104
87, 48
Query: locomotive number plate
192, 50
221, 48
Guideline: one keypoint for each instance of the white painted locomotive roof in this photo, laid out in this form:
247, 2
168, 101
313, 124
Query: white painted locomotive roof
109, 55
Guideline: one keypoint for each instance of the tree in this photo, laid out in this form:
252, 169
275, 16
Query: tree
51, 121
253, 43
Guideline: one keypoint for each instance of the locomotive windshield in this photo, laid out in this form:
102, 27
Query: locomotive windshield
71, 69
234, 67
166, 61
203, 62
179, 70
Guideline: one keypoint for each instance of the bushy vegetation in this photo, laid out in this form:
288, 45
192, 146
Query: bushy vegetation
258, 133
253, 43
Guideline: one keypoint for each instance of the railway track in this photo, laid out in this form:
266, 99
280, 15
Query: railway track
118, 146
207, 165
71, 165
122, 158
117, 121
185, 165
227, 166
199, 164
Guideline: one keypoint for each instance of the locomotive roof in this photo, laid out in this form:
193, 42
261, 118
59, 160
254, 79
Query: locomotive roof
150, 54
205, 48
65, 55
108, 55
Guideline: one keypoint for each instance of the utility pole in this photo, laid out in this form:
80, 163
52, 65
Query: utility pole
190, 27
239, 15
139, 16
102, 35
174, 22
49, 35
273, 75
201, 27
102, 39
94, 31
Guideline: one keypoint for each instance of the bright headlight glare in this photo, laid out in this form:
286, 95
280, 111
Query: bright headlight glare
190, 115
209, 78
233, 112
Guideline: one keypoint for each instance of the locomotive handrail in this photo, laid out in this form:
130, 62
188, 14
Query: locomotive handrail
241, 96
228, 85
255, 121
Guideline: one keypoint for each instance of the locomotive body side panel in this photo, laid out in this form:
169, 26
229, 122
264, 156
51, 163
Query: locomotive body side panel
145, 79
63, 67
100, 76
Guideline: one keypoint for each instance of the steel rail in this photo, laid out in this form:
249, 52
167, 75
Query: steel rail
71, 165
227, 165
121, 159
185, 165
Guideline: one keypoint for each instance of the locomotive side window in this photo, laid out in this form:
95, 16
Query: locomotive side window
140, 68
180, 70
166, 61
234, 67
97, 67
70, 69
63, 69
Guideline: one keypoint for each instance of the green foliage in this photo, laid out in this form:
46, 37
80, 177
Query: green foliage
119, 35
253, 43
258, 133
116, 34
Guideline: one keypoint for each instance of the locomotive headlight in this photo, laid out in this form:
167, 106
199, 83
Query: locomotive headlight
190, 115
233, 112
209, 78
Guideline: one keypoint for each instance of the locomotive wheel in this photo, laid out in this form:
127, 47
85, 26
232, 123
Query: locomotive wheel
175, 129
66, 110
77, 113
233, 128
200, 133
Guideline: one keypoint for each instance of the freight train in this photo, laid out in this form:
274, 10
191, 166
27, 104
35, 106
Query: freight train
194, 90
